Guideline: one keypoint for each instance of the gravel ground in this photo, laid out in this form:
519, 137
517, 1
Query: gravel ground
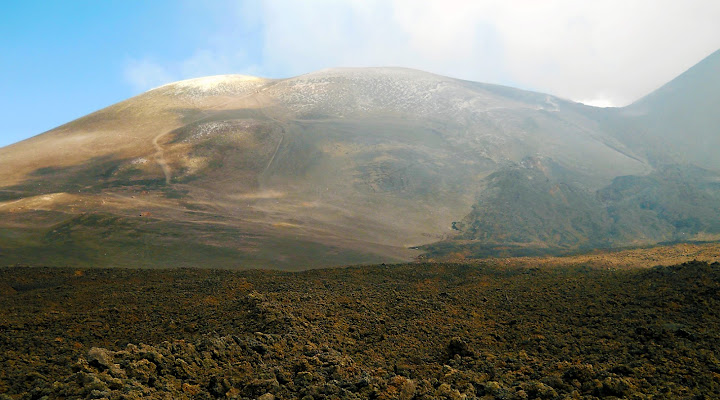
412, 331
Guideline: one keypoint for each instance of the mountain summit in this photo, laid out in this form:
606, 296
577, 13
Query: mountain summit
349, 165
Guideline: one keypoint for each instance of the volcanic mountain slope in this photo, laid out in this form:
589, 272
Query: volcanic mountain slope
679, 122
525, 210
334, 167
536, 206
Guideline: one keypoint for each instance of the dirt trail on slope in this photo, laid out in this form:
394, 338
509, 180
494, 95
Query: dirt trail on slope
160, 157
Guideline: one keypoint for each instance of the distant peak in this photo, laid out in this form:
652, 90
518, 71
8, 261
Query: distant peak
699, 80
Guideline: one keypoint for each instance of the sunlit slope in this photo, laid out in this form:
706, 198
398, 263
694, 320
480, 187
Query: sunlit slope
360, 163
125, 130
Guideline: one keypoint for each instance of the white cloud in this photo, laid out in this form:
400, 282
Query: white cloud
145, 74
603, 102
614, 50
611, 51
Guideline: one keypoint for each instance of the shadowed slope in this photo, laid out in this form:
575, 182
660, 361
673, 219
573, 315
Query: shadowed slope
679, 122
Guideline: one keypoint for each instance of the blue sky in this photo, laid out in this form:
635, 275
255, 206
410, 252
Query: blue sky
60, 60
63, 59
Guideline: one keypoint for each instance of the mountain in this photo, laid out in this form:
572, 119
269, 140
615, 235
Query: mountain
524, 204
526, 210
678, 123
334, 167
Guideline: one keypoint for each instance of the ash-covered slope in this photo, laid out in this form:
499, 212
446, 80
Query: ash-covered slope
337, 166
679, 122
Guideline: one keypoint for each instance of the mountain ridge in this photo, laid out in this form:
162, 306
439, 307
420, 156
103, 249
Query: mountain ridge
361, 164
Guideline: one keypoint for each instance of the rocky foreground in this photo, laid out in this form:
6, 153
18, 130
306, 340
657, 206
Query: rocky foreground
416, 331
